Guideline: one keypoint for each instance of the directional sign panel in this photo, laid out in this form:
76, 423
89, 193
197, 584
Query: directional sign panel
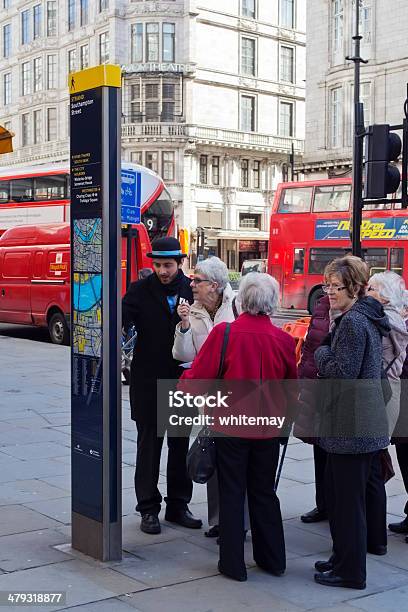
130, 195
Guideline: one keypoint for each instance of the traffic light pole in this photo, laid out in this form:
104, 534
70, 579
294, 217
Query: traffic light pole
358, 144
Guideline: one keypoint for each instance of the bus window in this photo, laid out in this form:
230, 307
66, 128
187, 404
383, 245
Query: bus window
295, 200
158, 217
379, 206
376, 259
332, 198
299, 261
21, 190
4, 191
397, 260
50, 187
319, 258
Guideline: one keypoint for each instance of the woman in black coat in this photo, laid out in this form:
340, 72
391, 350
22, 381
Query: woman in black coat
354, 426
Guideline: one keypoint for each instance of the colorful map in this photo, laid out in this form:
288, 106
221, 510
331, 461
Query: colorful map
87, 314
88, 245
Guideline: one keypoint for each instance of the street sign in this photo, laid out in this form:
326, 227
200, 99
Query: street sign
95, 99
131, 183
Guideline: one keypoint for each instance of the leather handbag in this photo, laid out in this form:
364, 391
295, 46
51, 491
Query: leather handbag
387, 468
201, 458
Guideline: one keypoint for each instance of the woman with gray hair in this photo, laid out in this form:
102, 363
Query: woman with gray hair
247, 456
213, 303
389, 289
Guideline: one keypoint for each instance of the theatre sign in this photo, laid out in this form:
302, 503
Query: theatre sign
158, 67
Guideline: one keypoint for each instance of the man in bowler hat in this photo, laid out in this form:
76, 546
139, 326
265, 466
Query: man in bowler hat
151, 305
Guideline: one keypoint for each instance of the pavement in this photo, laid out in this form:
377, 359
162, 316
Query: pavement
176, 570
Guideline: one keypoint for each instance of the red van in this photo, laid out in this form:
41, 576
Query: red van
35, 278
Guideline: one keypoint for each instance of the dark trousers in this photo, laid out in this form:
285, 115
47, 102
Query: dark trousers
320, 459
357, 511
402, 456
249, 465
179, 485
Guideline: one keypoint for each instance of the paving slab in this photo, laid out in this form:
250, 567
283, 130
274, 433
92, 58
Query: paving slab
299, 451
302, 472
42, 450
106, 605
57, 509
395, 600
297, 500
33, 549
217, 594
22, 491
18, 519
82, 582
306, 543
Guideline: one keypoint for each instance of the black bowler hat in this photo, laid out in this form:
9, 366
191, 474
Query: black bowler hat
165, 248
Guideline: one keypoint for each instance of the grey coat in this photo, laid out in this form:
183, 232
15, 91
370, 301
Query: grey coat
353, 418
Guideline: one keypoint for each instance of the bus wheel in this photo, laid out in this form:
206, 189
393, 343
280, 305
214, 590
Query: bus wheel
314, 298
58, 329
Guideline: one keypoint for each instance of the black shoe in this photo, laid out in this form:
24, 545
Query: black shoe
314, 516
330, 579
241, 578
377, 550
213, 532
150, 523
323, 566
183, 518
401, 527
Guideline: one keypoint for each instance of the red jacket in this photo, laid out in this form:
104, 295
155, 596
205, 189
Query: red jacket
257, 351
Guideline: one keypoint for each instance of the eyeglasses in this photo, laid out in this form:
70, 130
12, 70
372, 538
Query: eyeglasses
332, 288
197, 281
371, 289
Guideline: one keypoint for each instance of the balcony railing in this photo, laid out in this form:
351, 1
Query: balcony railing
213, 135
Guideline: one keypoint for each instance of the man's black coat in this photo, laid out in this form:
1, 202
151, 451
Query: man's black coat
145, 306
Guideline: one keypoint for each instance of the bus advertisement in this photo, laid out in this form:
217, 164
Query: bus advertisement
310, 226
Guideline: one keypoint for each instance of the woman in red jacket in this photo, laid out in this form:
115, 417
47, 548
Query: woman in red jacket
247, 457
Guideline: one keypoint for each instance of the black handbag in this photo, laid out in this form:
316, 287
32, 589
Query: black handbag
201, 458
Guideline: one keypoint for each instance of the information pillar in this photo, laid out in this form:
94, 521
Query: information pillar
95, 111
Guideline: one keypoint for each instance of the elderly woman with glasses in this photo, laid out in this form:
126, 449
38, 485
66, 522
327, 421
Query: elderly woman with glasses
389, 289
213, 303
257, 355
353, 426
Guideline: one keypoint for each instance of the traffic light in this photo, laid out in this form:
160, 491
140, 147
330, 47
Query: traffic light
381, 176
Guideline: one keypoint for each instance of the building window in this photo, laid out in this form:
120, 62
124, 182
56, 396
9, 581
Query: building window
168, 102
136, 157
37, 126
215, 170
168, 166
247, 114
51, 71
248, 8
72, 60
249, 221
169, 34
37, 74
152, 102
25, 129
25, 27
103, 5
152, 160
203, 169
52, 18
366, 99
135, 104
51, 124
71, 14
84, 56
136, 37
256, 174
37, 14
7, 89
286, 119
7, 40
365, 23
336, 117
287, 72
84, 11
287, 13
6, 4
25, 78
245, 173
104, 48
248, 56
337, 8
152, 42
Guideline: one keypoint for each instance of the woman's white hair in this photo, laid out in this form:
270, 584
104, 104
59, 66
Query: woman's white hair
391, 287
258, 294
215, 271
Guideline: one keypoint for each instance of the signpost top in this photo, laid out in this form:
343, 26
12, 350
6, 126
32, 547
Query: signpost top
108, 75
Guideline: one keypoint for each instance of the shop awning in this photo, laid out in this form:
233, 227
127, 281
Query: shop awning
6, 140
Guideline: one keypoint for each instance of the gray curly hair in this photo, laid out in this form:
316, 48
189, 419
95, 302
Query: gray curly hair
258, 294
215, 271
391, 287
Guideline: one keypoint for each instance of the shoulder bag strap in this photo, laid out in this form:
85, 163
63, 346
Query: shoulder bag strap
234, 308
223, 350
390, 364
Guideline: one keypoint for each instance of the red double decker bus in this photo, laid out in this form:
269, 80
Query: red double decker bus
310, 226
